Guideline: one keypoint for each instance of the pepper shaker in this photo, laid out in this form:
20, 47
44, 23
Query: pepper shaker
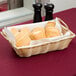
37, 12
49, 11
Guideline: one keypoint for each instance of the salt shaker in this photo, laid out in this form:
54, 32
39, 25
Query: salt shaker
37, 12
49, 11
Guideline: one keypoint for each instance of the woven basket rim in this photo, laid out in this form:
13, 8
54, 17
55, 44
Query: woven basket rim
65, 28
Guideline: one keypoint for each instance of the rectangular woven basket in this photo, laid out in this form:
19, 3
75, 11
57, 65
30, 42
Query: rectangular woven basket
46, 47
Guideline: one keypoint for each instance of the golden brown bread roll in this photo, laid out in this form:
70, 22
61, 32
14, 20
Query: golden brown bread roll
25, 30
51, 30
50, 24
22, 39
38, 33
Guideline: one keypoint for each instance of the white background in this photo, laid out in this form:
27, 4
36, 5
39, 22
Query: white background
61, 5
18, 17
2, 0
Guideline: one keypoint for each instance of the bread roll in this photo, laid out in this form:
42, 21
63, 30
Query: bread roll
38, 33
22, 39
25, 30
51, 30
50, 25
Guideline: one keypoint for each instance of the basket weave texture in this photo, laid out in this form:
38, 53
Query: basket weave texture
44, 48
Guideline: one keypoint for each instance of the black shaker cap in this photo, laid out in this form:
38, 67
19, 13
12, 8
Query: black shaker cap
49, 6
37, 5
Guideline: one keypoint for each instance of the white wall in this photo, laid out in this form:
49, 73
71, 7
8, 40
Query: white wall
28, 3
2, 0
61, 5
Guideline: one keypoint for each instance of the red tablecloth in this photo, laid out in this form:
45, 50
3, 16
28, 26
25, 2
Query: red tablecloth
3, 7
59, 63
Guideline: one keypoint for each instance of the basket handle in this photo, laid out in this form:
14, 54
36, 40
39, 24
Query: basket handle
65, 25
4, 35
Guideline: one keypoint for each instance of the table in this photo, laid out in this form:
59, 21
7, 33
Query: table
59, 63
